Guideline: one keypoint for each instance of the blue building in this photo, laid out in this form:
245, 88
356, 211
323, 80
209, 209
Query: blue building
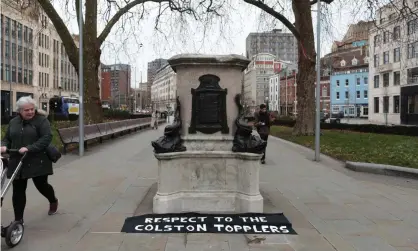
349, 84
349, 92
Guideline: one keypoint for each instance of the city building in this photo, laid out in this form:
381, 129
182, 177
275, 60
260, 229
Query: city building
257, 79
163, 89
153, 68
282, 45
106, 94
288, 98
120, 84
275, 83
393, 92
325, 94
348, 66
34, 61
141, 93
19, 55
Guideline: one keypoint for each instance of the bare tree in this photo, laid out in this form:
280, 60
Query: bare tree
93, 41
302, 28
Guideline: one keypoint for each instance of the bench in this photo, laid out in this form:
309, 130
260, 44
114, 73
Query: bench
99, 131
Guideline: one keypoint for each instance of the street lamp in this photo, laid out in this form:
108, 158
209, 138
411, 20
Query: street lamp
81, 82
318, 83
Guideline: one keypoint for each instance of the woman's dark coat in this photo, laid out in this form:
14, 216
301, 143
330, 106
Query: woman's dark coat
34, 134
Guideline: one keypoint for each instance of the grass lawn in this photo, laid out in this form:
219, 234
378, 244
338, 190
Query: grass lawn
362, 147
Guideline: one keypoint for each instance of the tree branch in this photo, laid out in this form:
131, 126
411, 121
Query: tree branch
324, 1
63, 32
276, 15
117, 16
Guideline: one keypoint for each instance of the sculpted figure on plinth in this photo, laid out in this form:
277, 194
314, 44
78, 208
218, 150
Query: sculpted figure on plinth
171, 141
244, 140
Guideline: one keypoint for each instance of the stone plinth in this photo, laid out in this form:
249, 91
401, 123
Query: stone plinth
189, 67
207, 176
203, 181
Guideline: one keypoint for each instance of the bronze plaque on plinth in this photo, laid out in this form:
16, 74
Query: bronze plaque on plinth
209, 107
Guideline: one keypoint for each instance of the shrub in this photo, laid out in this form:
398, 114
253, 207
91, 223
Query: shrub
116, 114
366, 128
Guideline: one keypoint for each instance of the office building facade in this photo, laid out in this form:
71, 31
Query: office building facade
280, 44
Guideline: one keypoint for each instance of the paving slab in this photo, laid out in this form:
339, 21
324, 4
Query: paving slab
331, 208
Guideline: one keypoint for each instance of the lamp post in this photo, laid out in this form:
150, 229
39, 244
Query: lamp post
318, 83
81, 84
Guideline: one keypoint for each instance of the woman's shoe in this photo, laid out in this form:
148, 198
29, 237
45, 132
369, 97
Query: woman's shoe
53, 208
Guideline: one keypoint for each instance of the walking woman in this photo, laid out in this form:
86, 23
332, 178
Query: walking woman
29, 132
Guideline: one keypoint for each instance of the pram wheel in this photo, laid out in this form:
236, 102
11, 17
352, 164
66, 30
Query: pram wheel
14, 234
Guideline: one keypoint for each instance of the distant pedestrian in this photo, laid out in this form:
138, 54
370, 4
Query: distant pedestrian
262, 123
154, 120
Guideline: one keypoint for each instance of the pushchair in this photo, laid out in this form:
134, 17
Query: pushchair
13, 233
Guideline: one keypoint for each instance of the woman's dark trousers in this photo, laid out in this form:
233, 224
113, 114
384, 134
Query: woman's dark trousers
19, 193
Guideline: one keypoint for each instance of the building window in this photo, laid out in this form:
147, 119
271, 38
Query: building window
365, 111
346, 82
386, 104
386, 37
397, 54
411, 104
386, 79
376, 81
396, 104
338, 82
30, 77
411, 50
346, 95
324, 92
376, 40
7, 49
386, 57
412, 26
366, 80
338, 95
365, 94
396, 78
358, 94
376, 104
358, 81
396, 32
376, 60
25, 77
19, 75
13, 73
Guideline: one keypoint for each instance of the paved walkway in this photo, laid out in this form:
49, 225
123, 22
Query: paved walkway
331, 208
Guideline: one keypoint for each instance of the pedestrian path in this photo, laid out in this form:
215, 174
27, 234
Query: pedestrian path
331, 208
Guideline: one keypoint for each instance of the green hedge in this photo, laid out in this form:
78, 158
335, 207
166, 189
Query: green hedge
366, 128
120, 114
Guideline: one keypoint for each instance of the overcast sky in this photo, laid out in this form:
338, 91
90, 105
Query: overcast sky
224, 36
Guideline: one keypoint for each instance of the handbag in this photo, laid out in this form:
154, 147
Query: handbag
51, 151
53, 154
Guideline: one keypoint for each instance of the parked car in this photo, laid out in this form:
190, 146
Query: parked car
334, 118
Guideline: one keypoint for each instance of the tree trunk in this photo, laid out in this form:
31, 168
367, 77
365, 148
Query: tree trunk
305, 120
93, 112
